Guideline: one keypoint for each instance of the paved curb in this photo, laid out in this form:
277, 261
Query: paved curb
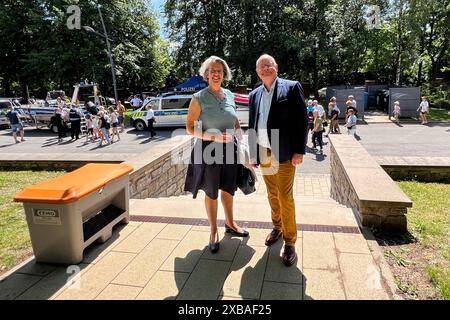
387, 277
16, 268
385, 270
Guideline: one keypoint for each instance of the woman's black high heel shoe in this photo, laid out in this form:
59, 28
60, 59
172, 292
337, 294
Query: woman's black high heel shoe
213, 246
229, 230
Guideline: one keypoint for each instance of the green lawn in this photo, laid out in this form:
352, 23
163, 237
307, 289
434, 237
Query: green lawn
438, 115
429, 223
14, 237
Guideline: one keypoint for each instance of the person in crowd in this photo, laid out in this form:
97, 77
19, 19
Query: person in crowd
114, 121
60, 103
317, 132
59, 122
89, 128
349, 105
121, 112
95, 128
278, 147
309, 111
146, 100
212, 118
15, 123
102, 126
396, 112
334, 114
75, 116
424, 108
136, 102
352, 99
150, 118
319, 109
351, 122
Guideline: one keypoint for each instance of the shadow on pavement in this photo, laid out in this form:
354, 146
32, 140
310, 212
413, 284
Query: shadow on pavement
251, 284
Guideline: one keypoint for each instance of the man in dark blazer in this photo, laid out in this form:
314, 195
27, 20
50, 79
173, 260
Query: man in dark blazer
277, 137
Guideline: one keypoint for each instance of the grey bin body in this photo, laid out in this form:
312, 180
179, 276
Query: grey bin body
60, 232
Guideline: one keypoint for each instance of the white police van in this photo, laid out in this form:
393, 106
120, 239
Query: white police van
172, 110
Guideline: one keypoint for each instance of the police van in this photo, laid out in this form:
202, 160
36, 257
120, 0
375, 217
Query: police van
172, 110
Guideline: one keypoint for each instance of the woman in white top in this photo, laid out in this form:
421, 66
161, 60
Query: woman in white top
114, 120
424, 109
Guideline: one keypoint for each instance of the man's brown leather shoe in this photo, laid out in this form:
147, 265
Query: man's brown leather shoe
273, 237
289, 255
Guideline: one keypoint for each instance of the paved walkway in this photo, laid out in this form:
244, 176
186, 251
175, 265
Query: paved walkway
162, 254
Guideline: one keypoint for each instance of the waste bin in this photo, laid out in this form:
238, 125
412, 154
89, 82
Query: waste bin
68, 213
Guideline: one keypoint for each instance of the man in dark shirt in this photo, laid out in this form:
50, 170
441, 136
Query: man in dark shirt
75, 122
15, 123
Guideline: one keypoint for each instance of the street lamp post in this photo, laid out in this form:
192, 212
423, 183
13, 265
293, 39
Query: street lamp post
111, 60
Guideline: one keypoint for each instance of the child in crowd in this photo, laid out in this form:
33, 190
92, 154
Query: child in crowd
396, 111
317, 131
351, 122
89, 128
114, 123
96, 130
102, 125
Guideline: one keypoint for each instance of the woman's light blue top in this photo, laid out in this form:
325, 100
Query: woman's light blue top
215, 113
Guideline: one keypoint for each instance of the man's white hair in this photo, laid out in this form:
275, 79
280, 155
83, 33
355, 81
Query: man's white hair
204, 69
266, 56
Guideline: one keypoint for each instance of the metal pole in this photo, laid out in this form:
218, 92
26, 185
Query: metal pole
110, 55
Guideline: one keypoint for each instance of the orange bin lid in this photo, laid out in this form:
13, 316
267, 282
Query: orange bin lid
73, 185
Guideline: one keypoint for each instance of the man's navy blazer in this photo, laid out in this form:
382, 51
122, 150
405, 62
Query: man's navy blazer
287, 115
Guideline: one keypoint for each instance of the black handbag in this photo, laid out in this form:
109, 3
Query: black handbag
246, 181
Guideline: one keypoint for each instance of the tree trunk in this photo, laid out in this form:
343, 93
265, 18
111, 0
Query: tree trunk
399, 46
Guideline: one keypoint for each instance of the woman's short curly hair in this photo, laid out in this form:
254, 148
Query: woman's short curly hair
203, 71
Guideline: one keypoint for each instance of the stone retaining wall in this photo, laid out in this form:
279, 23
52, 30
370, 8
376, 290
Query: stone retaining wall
160, 171
359, 182
422, 173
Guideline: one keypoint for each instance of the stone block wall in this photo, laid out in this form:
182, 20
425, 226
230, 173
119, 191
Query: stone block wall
372, 208
422, 173
161, 171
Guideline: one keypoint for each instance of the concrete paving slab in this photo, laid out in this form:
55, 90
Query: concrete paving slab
319, 251
361, 277
247, 273
276, 271
206, 280
227, 251
281, 291
164, 285
53, 284
16, 284
118, 292
323, 285
98, 277
146, 263
96, 251
351, 243
187, 253
174, 232
140, 237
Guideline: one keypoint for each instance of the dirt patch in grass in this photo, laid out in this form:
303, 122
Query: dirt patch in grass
408, 261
